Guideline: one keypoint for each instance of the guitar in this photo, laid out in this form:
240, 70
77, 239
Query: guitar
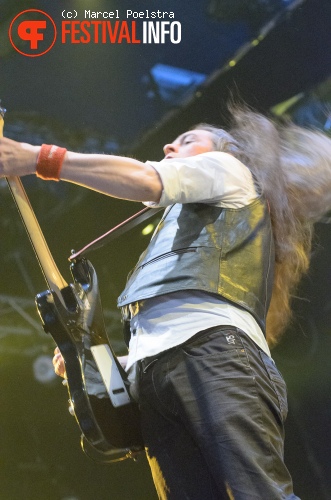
72, 313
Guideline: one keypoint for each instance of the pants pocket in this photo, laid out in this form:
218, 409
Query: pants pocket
277, 382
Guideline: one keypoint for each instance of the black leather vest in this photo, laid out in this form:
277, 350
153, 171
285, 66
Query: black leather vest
223, 251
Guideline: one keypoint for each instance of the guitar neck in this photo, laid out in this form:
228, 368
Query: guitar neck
51, 273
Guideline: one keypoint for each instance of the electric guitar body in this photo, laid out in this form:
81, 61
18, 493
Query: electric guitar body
97, 385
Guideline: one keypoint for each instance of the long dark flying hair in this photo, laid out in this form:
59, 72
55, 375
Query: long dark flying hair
292, 167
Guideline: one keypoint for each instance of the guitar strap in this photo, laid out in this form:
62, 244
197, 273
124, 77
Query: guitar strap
123, 227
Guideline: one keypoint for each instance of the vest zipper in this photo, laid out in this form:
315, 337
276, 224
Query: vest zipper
168, 254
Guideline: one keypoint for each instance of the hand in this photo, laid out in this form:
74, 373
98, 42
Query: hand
17, 158
59, 367
58, 363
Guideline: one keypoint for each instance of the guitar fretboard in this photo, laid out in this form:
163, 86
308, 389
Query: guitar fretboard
51, 273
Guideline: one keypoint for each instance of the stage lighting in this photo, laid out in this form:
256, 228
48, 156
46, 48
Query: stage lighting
172, 84
254, 12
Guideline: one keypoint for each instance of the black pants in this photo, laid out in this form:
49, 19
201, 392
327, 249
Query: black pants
213, 412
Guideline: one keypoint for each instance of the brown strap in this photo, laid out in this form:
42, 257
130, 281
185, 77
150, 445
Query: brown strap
123, 227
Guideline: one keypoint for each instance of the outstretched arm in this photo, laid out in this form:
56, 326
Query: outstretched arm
117, 176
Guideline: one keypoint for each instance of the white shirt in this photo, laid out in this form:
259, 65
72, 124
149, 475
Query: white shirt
166, 321
215, 178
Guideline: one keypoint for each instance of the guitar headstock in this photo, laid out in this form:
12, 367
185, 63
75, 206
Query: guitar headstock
2, 114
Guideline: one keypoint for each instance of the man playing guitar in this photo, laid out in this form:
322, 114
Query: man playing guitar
227, 252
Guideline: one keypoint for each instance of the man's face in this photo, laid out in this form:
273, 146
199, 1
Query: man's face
191, 143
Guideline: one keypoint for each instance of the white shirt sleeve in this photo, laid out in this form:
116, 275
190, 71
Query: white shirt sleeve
214, 177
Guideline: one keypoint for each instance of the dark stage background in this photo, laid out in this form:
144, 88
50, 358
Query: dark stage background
130, 99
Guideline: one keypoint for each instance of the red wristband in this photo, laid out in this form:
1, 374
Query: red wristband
49, 162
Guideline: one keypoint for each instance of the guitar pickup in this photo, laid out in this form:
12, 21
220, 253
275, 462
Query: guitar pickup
118, 391
110, 374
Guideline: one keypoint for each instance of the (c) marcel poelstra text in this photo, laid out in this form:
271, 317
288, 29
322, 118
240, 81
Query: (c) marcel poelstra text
101, 30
